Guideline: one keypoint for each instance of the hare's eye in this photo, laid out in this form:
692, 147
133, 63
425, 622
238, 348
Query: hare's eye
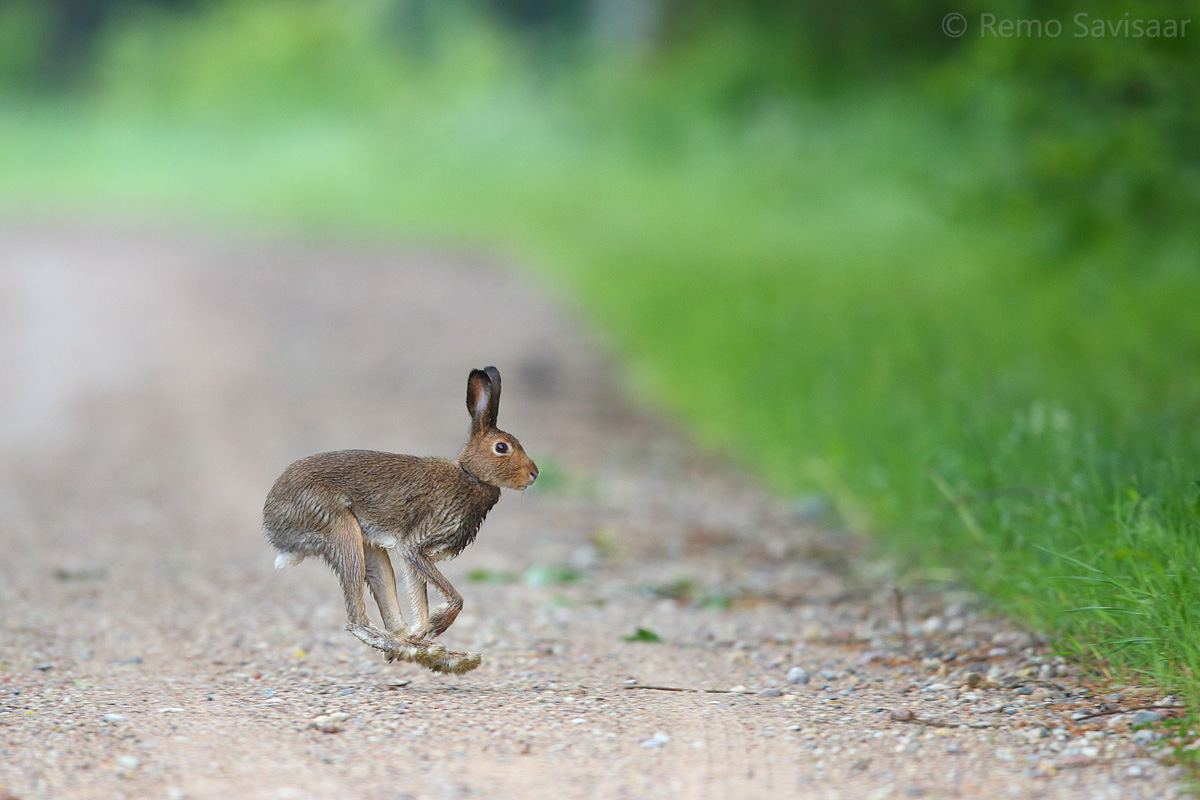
500, 447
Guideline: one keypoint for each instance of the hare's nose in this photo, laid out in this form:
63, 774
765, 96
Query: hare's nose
533, 473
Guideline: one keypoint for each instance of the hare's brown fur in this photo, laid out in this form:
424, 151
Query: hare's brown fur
352, 506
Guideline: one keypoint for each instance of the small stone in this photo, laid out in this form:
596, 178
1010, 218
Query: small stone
903, 715
329, 723
829, 674
175, 793
1035, 733
46, 666
1145, 717
974, 679
1117, 722
771, 691
737, 689
657, 740
797, 675
113, 718
1136, 771
127, 762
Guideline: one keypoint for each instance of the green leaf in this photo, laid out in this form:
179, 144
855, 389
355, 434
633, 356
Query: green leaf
642, 635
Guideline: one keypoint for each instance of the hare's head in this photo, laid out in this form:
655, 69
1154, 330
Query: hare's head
491, 455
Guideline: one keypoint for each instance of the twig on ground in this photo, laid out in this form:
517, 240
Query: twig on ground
904, 715
678, 689
900, 613
1126, 710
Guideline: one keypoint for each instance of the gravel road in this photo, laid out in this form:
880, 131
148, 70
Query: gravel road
154, 386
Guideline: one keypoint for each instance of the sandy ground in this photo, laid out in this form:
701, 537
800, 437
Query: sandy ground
155, 385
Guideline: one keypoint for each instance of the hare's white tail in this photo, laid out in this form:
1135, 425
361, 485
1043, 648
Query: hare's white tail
285, 560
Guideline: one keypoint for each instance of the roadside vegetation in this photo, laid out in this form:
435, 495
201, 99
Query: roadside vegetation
953, 285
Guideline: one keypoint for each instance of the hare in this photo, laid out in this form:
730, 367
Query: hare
353, 506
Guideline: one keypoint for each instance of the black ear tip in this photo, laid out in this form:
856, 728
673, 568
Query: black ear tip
492, 373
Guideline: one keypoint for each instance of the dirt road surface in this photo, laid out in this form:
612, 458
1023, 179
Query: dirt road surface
154, 386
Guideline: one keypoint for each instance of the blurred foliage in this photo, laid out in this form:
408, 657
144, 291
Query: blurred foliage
1104, 132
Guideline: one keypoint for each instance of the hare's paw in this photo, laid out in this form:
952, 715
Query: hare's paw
452, 662
407, 649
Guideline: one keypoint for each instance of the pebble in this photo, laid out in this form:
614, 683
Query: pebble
113, 718
771, 691
1117, 722
1145, 717
657, 740
329, 723
829, 674
128, 762
798, 675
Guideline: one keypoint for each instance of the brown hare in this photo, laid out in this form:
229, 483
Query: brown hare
353, 506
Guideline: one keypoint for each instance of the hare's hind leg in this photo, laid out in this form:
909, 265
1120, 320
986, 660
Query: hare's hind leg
382, 581
345, 555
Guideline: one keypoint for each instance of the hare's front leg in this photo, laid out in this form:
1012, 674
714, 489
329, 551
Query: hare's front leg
418, 570
418, 596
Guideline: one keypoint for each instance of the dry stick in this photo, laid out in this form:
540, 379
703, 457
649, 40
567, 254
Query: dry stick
678, 689
900, 612
937, 723
1125, 710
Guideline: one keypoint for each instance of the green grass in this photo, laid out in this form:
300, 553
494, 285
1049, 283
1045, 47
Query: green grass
804, 288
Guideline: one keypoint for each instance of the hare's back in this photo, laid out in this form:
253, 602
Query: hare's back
322, 486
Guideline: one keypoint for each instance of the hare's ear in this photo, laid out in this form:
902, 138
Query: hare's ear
483, 397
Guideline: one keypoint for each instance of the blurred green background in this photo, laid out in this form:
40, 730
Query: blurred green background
950, 282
